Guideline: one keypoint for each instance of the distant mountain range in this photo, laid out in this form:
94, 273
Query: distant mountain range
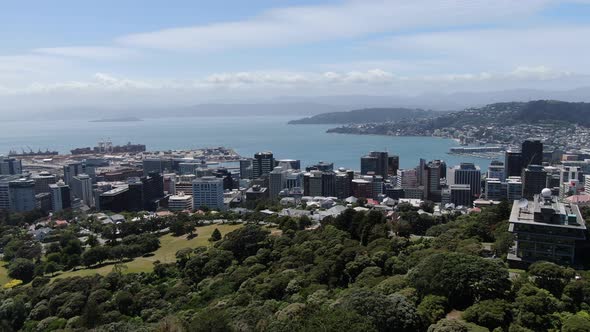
367, 116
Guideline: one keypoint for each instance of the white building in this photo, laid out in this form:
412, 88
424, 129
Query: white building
180, 202
208, 191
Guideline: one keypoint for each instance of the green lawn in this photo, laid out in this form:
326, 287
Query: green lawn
169, 245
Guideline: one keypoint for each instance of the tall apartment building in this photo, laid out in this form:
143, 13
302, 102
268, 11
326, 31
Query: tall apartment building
208, 191
262, 164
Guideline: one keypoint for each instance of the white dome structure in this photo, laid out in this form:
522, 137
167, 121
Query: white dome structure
546, 193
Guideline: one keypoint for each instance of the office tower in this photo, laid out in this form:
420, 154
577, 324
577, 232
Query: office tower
135, 198
262, 164
467, 173
157, 165
170, 183
569, 173
514, 188
277, 179
321, 166
382, 165
369, 165
10, 166
43, 202
71, 170
461, 195
115, 200
208, 191
81, 186
42, 182
377, 188
343, 185
22, 195
495, 190
532, 153
433, 172
496, 170
5, 190
180, 202
153, 191
60, 196
392, 165
362, 188
407, 178
188, 168
420, 172
328, 184
512, 164
312, 183
534, 180
287, 164
246, 168
294, 179
545, 230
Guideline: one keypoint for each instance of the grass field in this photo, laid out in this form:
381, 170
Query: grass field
169, 245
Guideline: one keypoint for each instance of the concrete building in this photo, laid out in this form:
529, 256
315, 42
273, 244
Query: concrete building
375, 163
312, 183
532, 153
157, 165
433, 172
514, 188
288, 164
407, 178
188, 168
321, 166
587, 184
208, 191
392, 165
115, 200
22, 195
495, 190
277, 180
545, 230
74, 169
180, 202
246, 169
496, 170
512, 163
81, 186
461, 195
5, 190
60, 196
362, 188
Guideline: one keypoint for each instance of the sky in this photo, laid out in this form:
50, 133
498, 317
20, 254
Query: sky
114, 53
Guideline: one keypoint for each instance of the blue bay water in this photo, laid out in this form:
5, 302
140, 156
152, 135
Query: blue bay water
246, 135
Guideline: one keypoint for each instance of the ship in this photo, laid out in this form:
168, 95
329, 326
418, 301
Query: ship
31, 153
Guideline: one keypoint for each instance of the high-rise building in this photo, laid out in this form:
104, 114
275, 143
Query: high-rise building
532, 153
157, 165
461, 194
188, 168
246, 169
74, 169
153, 191
433, 173
392, 165
328, 184
382, 166
534, 180
545, 230
208, 191
512, 164
362, 188
407, 178
262, 164
495, 189
321, 166
466, 173
42, 182
587, 184
60, 196
5, 190
180, 202
312, 183
513, 188
81, 186
496, 170
287, 164
115, 200
277, 179
10, 166
369, 165
22, 195
343, 184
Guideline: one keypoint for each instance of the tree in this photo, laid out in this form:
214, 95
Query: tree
577, 323
51, 268
462, 278
215, 236
551, 276
96, 255
245, 241
92, 241
432, 309
489, 313
534, 308
22, 269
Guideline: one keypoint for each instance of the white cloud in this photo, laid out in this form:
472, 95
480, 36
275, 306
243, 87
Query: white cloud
89, 52
295, 25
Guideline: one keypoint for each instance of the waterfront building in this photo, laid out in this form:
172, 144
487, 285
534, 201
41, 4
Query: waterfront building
208, 191
545, 230
262, 164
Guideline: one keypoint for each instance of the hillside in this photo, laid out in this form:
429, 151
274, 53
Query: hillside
367, 115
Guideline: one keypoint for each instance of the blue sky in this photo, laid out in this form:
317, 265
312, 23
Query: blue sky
197, 51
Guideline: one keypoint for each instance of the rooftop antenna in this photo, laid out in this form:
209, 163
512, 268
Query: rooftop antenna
523, 204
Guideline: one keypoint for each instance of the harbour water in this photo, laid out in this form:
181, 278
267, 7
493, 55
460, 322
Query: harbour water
246, 135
